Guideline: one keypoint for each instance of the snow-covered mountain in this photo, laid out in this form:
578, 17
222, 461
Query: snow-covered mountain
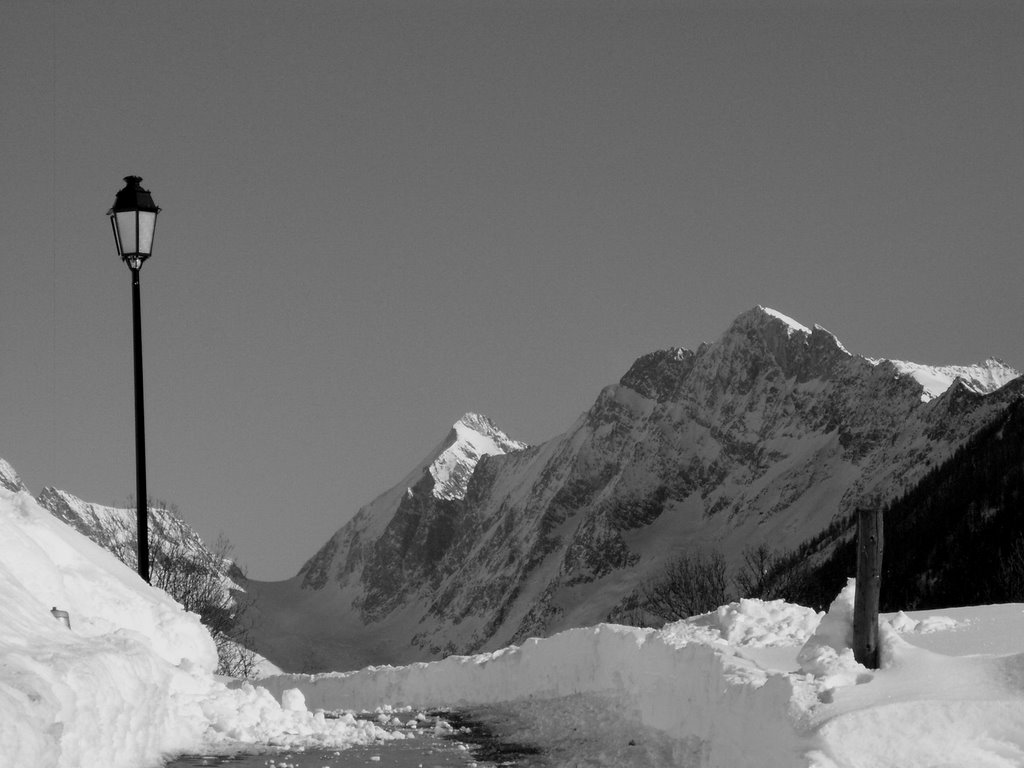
763, 436
409, 528
115, 528
936, 379
9, 478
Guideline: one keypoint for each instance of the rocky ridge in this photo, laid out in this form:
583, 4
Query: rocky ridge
9, 478
114, 528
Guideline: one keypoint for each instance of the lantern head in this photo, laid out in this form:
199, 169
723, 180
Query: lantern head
133, 218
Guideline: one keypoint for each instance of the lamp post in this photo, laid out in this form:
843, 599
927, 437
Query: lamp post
133, 218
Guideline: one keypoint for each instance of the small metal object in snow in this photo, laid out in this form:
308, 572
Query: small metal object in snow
62, 616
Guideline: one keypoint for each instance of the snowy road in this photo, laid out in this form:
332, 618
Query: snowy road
421, 752
471, 744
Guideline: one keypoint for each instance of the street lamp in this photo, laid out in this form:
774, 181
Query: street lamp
133, 218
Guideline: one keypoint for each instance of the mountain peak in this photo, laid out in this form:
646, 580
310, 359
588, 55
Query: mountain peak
480, 424
756, 335
792, 326
761, 316
764, 334
472, 437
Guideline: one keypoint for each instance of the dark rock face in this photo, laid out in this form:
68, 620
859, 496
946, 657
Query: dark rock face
659, 375
765, 435
317, 570
955, 538
409, 555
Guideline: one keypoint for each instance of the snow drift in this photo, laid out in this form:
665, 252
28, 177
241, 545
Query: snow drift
130, 681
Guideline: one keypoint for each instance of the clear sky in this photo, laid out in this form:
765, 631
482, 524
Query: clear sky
380, 215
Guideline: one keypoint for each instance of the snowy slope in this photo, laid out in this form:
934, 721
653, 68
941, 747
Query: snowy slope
175, 547
755, 684
766, 435
129, 681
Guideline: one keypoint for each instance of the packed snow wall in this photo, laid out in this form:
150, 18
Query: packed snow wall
686, 682
754, 684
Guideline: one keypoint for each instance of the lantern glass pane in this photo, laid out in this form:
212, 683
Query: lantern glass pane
117, 235
126, 226
147, 225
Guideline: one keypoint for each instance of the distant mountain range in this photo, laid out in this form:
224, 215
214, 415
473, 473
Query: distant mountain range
773, 434
767, 435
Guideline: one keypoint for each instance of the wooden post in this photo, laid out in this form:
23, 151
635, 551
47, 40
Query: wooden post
869, 585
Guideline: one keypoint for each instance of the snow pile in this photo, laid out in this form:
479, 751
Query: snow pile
758, 623
130, 680
828, 653
755, 683
903, 623
920, 709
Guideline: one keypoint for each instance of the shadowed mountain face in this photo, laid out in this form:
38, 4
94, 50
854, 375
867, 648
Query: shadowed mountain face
765, 435
956, 538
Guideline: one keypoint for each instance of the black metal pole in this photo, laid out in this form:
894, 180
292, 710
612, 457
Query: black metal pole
140, 433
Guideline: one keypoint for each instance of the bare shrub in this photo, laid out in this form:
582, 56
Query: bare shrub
690, 584
199, 580
753, 576
767, 574
630, 612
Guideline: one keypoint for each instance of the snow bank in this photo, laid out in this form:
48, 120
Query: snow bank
57, 567
719, 706
755, 683
130, 681
920, 710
